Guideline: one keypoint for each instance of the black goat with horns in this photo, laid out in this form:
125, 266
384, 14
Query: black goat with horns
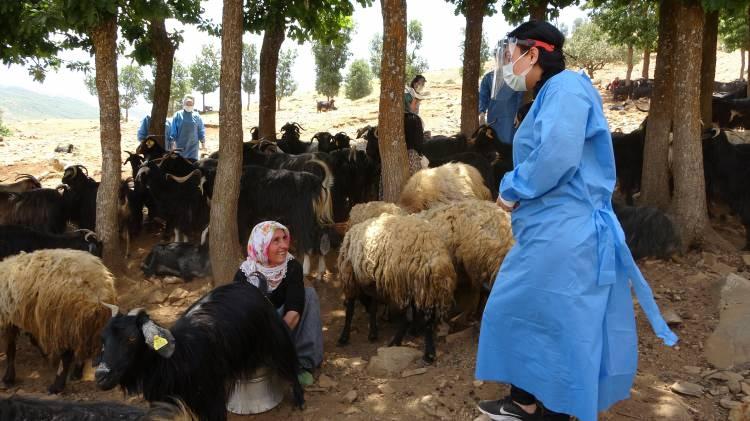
221, 338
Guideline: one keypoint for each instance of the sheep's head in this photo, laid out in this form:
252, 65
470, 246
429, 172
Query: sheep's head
324, 141
75, 174
125, 341
342, 140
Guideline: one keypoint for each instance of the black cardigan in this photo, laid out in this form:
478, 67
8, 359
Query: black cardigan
290, 293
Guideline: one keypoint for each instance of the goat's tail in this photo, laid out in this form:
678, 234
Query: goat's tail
322, 204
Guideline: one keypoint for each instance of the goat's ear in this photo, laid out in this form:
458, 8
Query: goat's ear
158, 338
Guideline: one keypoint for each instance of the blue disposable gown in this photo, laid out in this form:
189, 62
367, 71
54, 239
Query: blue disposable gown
143, 130
501, 111
186, 131
559, 322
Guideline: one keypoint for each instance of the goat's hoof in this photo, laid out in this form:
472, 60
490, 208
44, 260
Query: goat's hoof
54, 389
428, 358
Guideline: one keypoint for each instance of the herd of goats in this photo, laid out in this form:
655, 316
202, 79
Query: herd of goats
443, 236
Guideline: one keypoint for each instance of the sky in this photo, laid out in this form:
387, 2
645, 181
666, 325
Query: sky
440, 47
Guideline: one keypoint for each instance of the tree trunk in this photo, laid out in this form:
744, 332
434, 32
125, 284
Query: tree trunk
248, 101
163, 51
126, 114
203, 94
538, 10
629, 62
104, 38
689, 202
472, 66
224, 243
748, 56
708, 65
655, 176
391, 139
742, 68
646, 62
269, 61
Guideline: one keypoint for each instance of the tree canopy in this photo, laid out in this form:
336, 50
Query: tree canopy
733, 30
588, 48
359, 80
284, 77
205, 70
634, 23
376, 53
517, 11
330, 59
249, 68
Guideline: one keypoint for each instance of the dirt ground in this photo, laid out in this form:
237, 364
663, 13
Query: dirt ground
447, 388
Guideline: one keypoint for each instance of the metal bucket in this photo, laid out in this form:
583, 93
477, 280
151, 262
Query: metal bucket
261, 393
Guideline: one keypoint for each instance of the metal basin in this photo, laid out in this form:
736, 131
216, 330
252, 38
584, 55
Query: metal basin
261, 393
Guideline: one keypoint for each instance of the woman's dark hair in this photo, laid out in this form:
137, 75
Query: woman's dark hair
551, 63
416, 80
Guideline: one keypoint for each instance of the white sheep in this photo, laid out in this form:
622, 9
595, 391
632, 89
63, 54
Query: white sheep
478, 236
364, 211
443, 184
403, 261
56, 296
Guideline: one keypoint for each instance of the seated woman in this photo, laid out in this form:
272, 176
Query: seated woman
271, 268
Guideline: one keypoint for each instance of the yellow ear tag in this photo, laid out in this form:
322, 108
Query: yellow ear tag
159, 342
150, 143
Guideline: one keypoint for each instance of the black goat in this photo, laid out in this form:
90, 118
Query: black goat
185, 260
726, 170
731, 113
483, 141
290, 141
23, 183
41, 209
325, 141
80, 196
642, 88
179, 200
648, 231
19, 408
341, 140
735, 86
150, 149
221, 338
18, 238
628, 150
356, 181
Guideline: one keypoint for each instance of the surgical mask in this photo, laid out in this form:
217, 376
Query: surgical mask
514, 81
188, 108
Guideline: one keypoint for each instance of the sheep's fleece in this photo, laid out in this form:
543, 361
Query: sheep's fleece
364, 211
477, 233
56, 296
405, 258
444, 184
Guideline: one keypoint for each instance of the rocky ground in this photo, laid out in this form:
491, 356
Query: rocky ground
703, 291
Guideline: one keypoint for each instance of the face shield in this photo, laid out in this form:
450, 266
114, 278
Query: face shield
504, 53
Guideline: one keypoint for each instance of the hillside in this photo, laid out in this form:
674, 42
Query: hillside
21, 104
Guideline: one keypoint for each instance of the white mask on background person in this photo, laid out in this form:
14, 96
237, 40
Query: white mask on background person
188, 108
514, 81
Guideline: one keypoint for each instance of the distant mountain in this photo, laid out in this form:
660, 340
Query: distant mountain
22, 104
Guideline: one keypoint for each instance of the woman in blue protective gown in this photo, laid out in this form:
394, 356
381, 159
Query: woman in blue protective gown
559, 324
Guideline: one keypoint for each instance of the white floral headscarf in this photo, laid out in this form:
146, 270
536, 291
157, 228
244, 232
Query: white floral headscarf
257, 255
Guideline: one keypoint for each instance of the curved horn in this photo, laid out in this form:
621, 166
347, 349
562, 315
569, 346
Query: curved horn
135, 311
298, 126
639, 108
715, 132
24, 177
114, 308
316, 137
62, 186
85, 170
184, 178
376, 133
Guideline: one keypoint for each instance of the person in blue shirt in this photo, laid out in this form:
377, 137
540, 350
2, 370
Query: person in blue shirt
559, 324
498, 104
143, 130
187, 131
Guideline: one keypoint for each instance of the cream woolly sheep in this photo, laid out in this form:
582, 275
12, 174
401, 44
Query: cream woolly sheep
443, 184
478, 235
403, 261
365, 211
56, 296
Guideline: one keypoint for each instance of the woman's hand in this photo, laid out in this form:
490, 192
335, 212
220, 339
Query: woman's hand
502, 205
291, 318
